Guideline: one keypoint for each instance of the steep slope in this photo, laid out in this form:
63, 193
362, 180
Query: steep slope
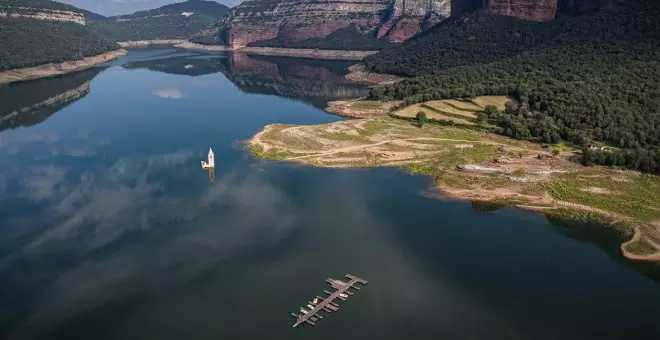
288, 23
597, 80
35, 32
174, 21
476, 37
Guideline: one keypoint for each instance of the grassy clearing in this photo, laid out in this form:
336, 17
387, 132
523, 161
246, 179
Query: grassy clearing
366, 104
635, 196
498, 101
410, 112
463, 105
641, 247
442, 107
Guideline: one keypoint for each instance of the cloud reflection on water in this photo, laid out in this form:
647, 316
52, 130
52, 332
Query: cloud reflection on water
168, 92
103, 208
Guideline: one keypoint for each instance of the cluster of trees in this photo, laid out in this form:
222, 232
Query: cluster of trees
349, 38
637, 159
598, 79
28, 42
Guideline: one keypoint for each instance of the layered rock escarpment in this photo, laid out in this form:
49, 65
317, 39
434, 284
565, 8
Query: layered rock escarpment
43, 14
297, 20
537, 10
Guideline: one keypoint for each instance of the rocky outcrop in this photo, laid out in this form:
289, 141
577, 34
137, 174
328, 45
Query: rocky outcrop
536, 10
297, 20
43, 14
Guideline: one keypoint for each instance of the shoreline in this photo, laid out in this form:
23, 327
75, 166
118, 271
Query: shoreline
147, 43
356, 55
477, 166
55, 69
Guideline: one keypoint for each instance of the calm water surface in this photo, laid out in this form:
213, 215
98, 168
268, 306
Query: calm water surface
109, 228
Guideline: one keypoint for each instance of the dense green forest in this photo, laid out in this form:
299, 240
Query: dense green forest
165, 22
596, 78
28, 42
150, 28
476, 37
349, 38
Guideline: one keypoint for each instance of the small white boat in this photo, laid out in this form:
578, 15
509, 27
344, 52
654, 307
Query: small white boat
315, 301
211, 160
344, 295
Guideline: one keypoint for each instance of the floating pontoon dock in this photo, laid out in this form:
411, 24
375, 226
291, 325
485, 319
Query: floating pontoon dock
327, 304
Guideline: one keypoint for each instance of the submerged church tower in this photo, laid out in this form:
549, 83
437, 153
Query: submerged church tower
210, 163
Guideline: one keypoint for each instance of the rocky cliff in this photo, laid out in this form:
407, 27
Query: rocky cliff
40, 10
299, 20
537, 10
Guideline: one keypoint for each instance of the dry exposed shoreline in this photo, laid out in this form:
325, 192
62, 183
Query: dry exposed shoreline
147, 43
268, 51
49, 70
469, 164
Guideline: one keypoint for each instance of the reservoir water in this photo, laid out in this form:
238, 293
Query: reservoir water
109, 228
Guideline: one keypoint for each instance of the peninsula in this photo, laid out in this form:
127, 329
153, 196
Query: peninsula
467, 161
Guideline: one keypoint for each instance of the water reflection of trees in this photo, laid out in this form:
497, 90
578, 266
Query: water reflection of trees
311, 81
30, 103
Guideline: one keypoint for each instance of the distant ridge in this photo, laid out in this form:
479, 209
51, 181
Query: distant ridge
174, 21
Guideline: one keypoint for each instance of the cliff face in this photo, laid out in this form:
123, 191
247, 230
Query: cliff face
295, 20
537, 10
44, 14
540, 10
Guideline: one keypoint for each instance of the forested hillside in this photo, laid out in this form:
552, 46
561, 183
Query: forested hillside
476, 37
25, 41
175, 21
598, 79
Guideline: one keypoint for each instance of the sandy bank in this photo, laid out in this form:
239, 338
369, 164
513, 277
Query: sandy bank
147, 43
50, 70
476, 165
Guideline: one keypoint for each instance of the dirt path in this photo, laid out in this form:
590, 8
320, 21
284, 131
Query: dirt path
359, 147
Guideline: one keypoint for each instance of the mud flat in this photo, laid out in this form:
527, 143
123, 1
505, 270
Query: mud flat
472, 164
52, 69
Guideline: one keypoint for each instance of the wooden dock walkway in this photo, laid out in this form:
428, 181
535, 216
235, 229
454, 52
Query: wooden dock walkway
328, 304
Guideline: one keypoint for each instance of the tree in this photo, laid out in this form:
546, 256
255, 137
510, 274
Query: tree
491, 110
555, 152
481, 117
421, 118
